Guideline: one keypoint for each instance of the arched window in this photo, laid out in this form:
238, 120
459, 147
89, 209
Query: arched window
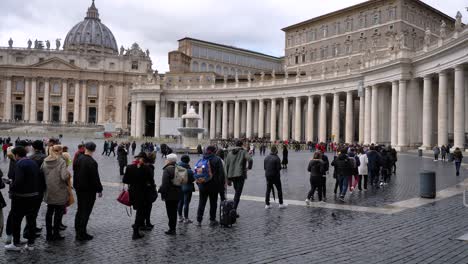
218, 69
20, 86
226, 71
203, 67
56, 88
211, 68
195, 66
233, 72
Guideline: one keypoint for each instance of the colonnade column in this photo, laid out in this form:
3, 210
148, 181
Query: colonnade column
63, 109
83, 102
27, 99
76, 103
213, 120
157, 119
7, 106
349, 118
374, 114
367, 116
46, 101
176, 109
133, 123
297, 120
261, 118
248, 132
402, 115
236, 119
336, 118
138, 127
273, 120
362, 108
225, 120
101, 104
285, 119
427, 113
33, 111
310, 119
394, 115
442, 128
459, 109
200, 121
323, 119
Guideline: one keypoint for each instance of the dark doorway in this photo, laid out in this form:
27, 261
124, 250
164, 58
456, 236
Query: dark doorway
92, 115
18, 115
40, 116
129, 114
70, 117
149, 121
55, 114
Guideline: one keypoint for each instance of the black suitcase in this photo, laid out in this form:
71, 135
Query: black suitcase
227, 213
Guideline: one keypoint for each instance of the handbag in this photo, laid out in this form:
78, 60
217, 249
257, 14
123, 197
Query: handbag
124, 198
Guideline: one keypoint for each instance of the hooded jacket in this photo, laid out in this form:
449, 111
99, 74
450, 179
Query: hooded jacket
272, 166
26, 181
56, 179
236, 163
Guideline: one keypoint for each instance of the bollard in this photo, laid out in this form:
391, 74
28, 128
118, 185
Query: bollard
420, 152
427, 184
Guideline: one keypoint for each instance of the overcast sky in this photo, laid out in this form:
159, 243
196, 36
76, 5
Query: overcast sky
157, 25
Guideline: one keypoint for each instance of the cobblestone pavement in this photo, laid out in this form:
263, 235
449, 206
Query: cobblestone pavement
298, 234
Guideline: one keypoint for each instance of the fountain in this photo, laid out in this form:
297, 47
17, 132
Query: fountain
191, 130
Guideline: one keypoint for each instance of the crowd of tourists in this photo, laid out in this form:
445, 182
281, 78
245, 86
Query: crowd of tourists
43, 171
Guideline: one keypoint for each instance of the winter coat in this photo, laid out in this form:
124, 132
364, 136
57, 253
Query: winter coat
141, 184
236, 163
326, 163
272, 167
122, 156
316, 168
86, 175
189, 187
285, 155
56, 178
362, 169
386, 160
436, 150
169, 191
216, 184
457, 156
26, 180
39, 157
343, 166
373, 159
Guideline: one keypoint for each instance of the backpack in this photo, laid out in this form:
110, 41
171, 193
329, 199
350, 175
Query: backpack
180, 176
202, 171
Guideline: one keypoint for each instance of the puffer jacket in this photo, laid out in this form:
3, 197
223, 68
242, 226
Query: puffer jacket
56, 178
316, 168
236, 163
363, 170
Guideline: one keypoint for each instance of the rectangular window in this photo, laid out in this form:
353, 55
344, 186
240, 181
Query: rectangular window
19, 59
303, 58
72, 62
134, 65
93, 64
111, 65
70, 100
41, 59
296, 59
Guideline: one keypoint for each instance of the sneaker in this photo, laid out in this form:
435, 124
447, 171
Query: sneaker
351, 189
8, 239
170, 232
29, 247
283, 206
23, 241
267, 206
381, 183
213, 223
12, 247
342, 198
181, 220
187, 221
307, 201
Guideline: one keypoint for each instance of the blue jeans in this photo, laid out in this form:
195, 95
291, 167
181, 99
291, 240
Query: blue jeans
343, 183
457, 166
184, 202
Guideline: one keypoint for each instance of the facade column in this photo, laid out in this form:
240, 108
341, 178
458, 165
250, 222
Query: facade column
310, 119
442, 128
219, 119
362, 106
248, 132
394, 121
237, 119
375, 114
243, 117
402, 115
76, 103
261, 118
176, 109
213, 120
255, 118
336, 118
63, 109
46, 101
27, 99
138, 123
349, 118
84, 100
133, 123
267, 114
285, 119
231, 120
33, 110
202, 114
206, 120
101, 104
273, 120
367, 116
427, 113
323, 119
157, 119
7, 109
459, 109
225, 120
297, 120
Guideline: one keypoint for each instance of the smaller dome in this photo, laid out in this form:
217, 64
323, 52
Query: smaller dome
90, 34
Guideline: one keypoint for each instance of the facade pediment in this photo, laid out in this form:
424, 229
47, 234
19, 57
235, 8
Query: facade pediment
55, 64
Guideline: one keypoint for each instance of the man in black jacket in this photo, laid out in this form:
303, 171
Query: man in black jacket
87, 184
343, 168
272, 166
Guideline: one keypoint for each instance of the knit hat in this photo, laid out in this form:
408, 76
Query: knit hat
172, 157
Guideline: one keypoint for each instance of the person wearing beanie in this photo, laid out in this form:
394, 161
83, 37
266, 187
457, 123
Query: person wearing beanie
272, 167
170, 193
87, 184
187, 190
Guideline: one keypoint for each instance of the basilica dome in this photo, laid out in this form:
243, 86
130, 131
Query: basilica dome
91, 35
